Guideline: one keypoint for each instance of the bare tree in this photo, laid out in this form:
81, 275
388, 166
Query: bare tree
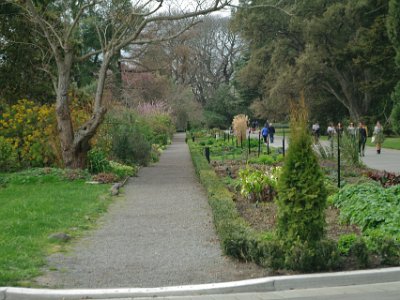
118, 23
204, 57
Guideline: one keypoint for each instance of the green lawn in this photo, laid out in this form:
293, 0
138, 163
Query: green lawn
390, 143
34, 207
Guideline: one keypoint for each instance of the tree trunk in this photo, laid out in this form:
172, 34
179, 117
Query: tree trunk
63, 114
83, 135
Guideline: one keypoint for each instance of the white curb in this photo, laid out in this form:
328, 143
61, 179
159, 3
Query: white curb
266, 284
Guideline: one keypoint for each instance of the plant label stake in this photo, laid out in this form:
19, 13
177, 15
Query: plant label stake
338, 159
207, 153
249, 144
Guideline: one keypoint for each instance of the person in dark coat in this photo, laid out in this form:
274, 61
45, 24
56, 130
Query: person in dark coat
362, 138
271, 132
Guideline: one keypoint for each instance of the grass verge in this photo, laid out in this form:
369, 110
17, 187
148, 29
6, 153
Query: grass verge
35, 204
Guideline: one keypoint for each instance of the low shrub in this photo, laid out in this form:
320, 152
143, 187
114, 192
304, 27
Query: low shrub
370, 206
345, 243
258, 185
262, 159
387, 247
97, 161
302, 256
122, 171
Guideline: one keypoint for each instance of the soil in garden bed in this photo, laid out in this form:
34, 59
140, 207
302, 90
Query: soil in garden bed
262, 216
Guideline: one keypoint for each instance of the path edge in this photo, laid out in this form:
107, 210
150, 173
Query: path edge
266, 284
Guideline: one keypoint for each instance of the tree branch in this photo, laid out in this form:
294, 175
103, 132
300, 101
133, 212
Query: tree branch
78, 16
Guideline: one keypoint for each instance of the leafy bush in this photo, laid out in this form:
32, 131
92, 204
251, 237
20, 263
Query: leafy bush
306, 257
377, 211
262, 159
97, 161
370, 206
121, 170
346, 242
258, 185
129, 138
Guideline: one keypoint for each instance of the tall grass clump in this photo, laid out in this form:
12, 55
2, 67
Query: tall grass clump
239, 125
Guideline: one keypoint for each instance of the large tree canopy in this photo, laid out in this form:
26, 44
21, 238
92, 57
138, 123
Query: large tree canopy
393, 26
333, 50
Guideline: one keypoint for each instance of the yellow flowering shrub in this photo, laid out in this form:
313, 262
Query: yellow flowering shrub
31, 131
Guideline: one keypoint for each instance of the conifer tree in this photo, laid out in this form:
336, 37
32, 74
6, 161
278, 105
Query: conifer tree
301, 191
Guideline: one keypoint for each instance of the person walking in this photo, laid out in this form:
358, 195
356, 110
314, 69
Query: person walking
264, 133
378, 137
330, 131
271, 132
339, 128
315, 131
362, 138
351, 130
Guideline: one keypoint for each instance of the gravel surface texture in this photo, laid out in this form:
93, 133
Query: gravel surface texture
160, 233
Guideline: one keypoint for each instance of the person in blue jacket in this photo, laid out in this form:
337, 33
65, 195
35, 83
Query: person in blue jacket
264, 133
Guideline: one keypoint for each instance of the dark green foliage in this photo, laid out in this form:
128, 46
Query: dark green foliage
21, 54
360, 251
395, 115
131, 146
301, 189
393, 26
371, 207
306, 257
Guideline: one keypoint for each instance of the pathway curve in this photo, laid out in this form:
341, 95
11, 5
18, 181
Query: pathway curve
160, 234
388, 160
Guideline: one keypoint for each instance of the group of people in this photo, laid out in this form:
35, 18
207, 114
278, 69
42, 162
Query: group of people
361, 132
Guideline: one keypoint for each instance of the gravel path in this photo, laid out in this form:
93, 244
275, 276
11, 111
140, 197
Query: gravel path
160, 234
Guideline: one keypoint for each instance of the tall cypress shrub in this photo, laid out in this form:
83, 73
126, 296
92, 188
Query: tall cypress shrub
301, 191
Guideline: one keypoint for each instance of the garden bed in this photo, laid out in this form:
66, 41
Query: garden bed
247, 227
262, 216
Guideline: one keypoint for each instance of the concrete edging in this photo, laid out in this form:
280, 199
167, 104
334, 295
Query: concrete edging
266, 284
